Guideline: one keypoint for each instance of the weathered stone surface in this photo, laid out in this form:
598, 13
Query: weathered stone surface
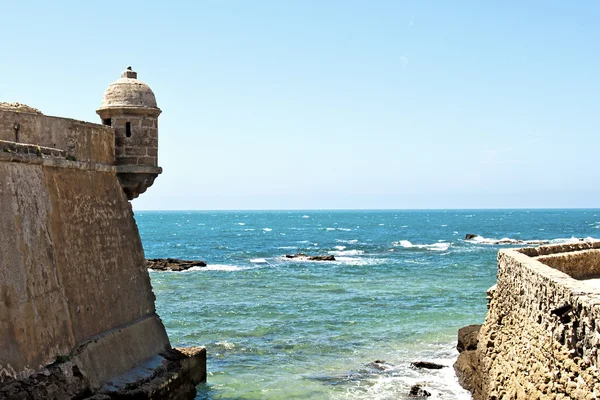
173, 264
67, 275
81, 140
527, 348
304, 257
426, 365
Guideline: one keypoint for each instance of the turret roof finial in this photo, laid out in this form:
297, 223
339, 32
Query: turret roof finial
129, 73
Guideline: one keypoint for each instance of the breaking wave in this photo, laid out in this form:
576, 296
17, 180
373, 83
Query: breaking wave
440, 246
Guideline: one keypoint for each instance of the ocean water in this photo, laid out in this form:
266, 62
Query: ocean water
402, 284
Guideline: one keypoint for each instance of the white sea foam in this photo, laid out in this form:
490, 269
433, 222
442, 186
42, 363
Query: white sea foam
346, 252
267, 229
511, 241
440, 246
358, 261
330, 229
241, 223
399, 377
218, 267
260, 261
225, 345
353, 241
249, 229
340, 248
305, 216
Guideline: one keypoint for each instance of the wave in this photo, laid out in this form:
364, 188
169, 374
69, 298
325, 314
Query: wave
440, 246
259, 261
218, 267
267, 229
359, 261
346, 252
353, 241
305, 216
510, 241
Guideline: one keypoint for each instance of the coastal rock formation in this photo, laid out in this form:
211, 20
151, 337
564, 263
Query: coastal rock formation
172, 264
304, 257
466, 366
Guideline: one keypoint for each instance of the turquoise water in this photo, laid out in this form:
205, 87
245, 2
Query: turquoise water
402, 285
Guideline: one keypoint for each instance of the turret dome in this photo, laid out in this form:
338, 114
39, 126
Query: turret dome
128, 92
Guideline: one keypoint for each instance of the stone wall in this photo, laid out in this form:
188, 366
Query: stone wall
541, 336
72, 273
81, 141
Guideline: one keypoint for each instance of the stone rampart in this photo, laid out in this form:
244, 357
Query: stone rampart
77, 313
541, 336
81, 141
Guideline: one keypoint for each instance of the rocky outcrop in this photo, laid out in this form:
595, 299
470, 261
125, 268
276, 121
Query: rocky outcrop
467, 365
173, 264
418, 391
426, 365
304, 257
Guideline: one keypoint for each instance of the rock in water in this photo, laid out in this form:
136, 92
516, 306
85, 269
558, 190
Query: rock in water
304, 257
418, 391
173, 264
427, 365
470, 236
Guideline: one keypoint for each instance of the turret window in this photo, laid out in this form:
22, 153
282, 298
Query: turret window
128, 129
107, 121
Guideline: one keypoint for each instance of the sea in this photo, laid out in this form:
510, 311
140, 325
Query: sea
403, 282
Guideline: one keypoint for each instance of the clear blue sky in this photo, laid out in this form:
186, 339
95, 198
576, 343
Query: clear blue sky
334, 104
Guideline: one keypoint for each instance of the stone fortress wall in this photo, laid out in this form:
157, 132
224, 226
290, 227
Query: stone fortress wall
77, 313
541, 336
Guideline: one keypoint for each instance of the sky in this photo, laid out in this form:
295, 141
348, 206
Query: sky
325, 104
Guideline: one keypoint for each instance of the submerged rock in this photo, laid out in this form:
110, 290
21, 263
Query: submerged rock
304, 257
380, 365
427, 365
418, 391
173, 264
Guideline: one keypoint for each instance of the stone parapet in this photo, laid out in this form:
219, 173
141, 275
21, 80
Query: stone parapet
541, 336
80, 140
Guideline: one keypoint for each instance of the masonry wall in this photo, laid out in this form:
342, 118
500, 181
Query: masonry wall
73, 281
541, 337
82, 141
